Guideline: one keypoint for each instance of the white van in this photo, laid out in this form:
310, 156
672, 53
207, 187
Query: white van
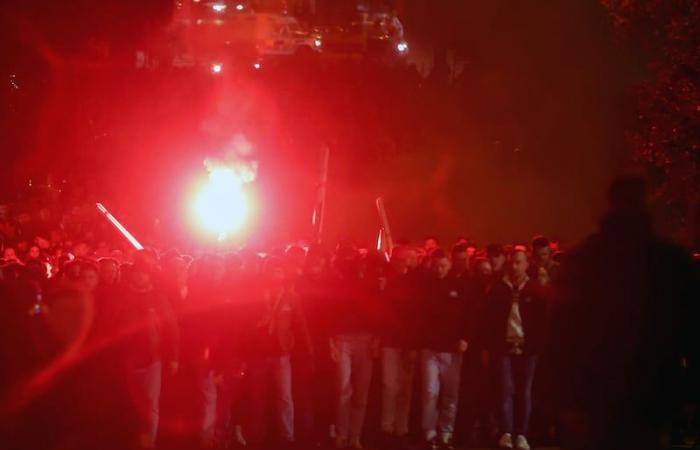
267, 34
276, 35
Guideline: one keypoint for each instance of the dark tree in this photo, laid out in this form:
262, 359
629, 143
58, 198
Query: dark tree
666, 135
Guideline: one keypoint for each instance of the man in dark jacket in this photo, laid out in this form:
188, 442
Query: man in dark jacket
313, 373
543, 267
497, 257
516, 321
443, 340
353, 344
152, 339
398, 315
275, 326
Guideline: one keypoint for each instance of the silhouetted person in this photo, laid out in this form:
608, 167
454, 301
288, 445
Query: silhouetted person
622, 329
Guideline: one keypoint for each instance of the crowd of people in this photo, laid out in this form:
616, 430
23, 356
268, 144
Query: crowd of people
158, 349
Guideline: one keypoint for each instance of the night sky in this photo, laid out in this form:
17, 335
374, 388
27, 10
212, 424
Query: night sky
524, 140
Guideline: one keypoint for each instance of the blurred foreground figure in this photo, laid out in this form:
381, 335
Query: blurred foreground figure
622, 331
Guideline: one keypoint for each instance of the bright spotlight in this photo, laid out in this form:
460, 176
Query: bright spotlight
402, 47
218, 7
221, 206
217, 68
239, 7
257, 66
318, 42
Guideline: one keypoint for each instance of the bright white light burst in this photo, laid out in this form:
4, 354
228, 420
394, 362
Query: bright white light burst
221, 206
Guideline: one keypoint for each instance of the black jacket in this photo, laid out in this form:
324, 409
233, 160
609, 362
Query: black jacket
398, 311
443, 315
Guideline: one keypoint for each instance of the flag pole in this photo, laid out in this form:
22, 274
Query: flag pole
320, 209
130, 237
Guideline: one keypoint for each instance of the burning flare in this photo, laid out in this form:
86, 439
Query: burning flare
222, 205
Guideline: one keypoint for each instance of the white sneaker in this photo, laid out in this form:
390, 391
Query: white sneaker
506, 441
521, 443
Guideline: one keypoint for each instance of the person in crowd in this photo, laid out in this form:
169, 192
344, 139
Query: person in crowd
228, 362
108, 271
180, 409
473, 415
202, 316
106, 297
430, 243
34, 253
543, 267
313, 376
460, 260
70, 274
276, 326
515, 317
443, 340
482, 389
353, 346
89, 275
545, 271
482, 275
152, 341
497, 257
399, 317
10, 255
472, 250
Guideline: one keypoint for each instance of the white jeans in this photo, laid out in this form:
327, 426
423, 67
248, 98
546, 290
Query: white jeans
397, 389
275, 370
208, 397
145, 383
353, 376
440, 386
